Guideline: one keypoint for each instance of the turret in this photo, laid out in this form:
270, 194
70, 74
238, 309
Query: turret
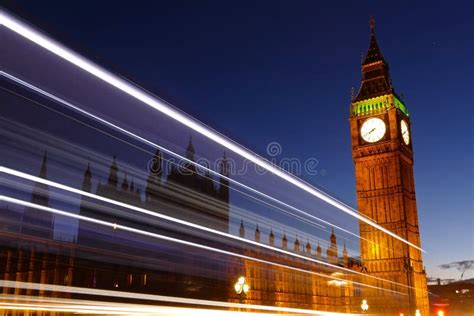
345, 258
87, 180
242, 229
35, 222
271, 238
319, 252
331, 252
284, 242
257, 234
308, 248
132, 186
296, 246
125, 183
190, 152
113, 177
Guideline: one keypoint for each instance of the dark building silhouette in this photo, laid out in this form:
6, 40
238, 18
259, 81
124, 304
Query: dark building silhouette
35, 222
184, 193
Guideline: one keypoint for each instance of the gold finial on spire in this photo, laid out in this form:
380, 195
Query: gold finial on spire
372, 25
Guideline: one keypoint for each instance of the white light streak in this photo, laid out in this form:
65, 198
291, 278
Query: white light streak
173, 219
116, 226
150, 143
160, 298
29, 33
102, 307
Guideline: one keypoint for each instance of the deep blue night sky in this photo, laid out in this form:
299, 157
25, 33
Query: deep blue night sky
263, 71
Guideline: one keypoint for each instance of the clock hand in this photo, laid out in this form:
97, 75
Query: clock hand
369, 132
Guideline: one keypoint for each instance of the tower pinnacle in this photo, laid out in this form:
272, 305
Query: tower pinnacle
375, 71
373, 53
372, 25
242, 229
190, 149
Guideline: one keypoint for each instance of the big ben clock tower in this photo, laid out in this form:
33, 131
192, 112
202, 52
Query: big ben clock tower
383, 158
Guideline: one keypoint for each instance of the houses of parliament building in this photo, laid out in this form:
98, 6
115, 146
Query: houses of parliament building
389, 274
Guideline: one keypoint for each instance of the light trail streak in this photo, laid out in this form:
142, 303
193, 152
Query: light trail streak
115, 306
131, 310
116, 226
161, 298
179, 221
101, 307
259, 200
164, 149
65, 103
150, 143
147, 98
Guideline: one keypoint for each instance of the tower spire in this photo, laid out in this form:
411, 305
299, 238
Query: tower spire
35, 222
87, 180
375, 71
318, 251
284, 241
242, 229
113, 177
271, 238
125, 186
331, 252
190, 149
345, 257
372, 25
257, 234
374, 53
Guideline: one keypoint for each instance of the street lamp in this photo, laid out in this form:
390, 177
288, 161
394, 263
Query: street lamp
241, 287
364, 306
417, 312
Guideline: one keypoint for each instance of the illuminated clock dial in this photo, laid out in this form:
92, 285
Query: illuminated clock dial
405, 132
373, 130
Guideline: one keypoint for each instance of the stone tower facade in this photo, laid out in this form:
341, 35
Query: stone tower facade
383, 158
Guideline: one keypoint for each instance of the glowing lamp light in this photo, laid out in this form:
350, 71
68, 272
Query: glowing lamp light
364, 306
241, 286
440, 312
417, 312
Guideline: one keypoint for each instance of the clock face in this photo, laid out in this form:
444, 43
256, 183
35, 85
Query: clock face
405, 132
373, 130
